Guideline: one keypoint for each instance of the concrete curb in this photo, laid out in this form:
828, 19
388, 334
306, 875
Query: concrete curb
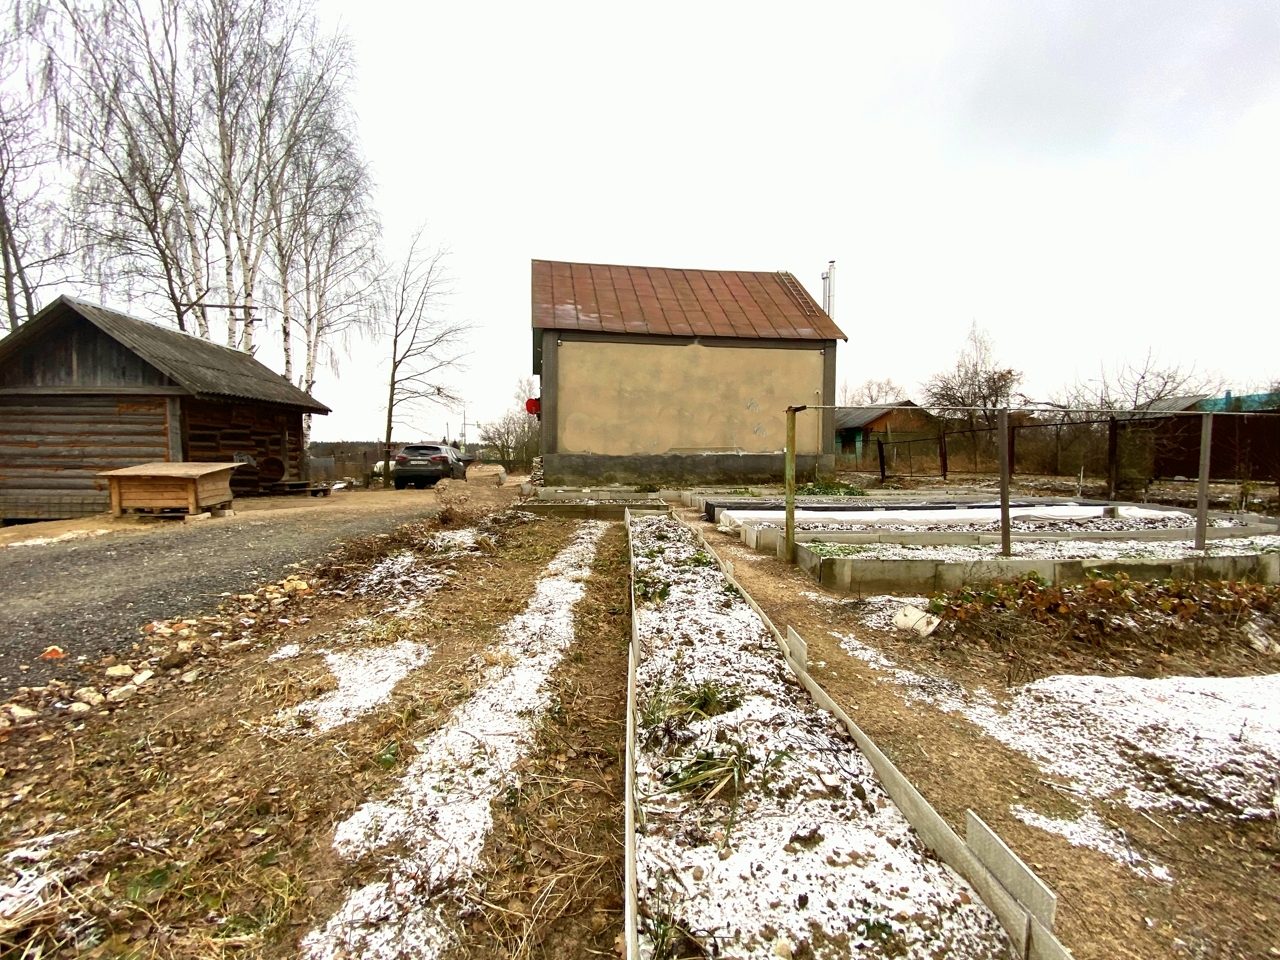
1021, 902
768, 539
871, 577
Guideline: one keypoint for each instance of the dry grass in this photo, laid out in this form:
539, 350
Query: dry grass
203, 832
553, 878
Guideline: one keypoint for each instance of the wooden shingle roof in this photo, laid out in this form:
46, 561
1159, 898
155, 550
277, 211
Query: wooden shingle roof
204, 369
659, 301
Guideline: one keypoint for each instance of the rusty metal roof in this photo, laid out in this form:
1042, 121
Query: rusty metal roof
205, 369
660, 301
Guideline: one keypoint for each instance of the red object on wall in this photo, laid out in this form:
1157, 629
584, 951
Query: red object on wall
533, 406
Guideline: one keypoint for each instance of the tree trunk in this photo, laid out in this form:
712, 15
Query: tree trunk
10, 279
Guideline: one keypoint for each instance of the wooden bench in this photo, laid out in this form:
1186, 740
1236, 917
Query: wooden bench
190, 488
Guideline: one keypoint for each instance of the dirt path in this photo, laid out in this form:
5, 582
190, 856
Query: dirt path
1227, 875
90, 594
552, 882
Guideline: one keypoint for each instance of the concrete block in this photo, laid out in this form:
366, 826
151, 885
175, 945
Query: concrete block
228, 512
808, 561
1068, 572
1044, 945
1137, 569
1014, 875
799, 651
953, 576
195, 517
872, 577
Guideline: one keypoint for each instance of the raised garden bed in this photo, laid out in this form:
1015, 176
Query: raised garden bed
762, 830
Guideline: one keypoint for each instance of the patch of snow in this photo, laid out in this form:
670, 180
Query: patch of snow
440, 814
400, 574
1051, 550
287, 652
61, 538
807, 840
365, 678
30, 877
1090, 831
1204, 745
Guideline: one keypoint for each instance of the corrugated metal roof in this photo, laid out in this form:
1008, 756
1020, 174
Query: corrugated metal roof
203, 368
1172, 404
849, 417
607, 298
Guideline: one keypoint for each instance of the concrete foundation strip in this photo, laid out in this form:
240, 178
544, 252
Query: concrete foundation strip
1023, 905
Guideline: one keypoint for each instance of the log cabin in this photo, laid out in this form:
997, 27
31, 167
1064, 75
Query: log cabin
85, 389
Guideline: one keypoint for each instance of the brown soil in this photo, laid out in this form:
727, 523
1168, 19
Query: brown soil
1227, 876
202, 835
552, 887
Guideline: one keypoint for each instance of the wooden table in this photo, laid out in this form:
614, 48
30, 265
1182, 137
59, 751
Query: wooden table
155, 487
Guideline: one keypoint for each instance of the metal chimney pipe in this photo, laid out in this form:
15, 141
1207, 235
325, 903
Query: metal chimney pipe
829, 289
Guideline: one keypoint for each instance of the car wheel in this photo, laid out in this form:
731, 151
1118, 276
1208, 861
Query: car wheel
421, 484
399, 484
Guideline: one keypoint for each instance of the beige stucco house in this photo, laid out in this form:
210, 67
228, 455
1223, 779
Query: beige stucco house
680, 375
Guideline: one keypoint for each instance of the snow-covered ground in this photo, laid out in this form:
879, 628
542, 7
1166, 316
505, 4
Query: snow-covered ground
1205, 746
1051, 550
763, 828
430, 832
1047, 517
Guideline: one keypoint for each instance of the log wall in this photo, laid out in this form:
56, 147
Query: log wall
52, 448
218, 431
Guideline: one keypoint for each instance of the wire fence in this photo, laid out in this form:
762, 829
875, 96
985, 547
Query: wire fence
1127, 452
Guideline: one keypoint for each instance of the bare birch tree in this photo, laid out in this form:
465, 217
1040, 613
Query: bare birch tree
31, 221
126, 103
425, 346
324, 244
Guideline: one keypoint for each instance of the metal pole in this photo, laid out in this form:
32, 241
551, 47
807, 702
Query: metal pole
1002, 427
790, 475
1202, 495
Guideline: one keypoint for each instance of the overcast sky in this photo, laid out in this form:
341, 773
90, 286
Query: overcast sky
1085, 180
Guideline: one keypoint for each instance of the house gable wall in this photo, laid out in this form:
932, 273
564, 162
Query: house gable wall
74, 354
647, 396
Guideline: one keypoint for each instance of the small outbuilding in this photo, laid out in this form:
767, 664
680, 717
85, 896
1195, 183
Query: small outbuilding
84, 389
660, 374
858, 427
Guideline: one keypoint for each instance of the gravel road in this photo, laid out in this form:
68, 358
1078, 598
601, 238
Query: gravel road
89, 596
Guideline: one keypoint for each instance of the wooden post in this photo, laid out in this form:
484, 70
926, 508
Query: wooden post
1113, 459
790, 476
942, 452
880, 450
1202, 494
911, 470
114, 485
1002, 426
